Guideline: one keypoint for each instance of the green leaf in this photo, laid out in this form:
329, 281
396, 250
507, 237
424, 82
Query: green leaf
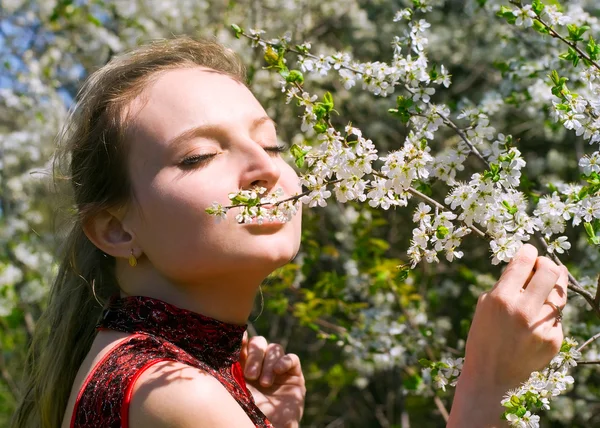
570, 55
592, 49
565, 347
319, 110
589, 229
515, 400
284, 72
328, 101
425, 362
298, 154
512, 209
295, 76
537, 6
501, 66
403, 274
313, 326
237, 30
302, 49
91, 18
379, 244
576, 33
296, 150
424, 188
413, 382
320, 127
507, 14
539, 27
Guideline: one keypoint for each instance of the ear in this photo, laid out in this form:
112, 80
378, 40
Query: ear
106, 231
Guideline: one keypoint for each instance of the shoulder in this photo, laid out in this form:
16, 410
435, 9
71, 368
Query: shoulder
172, 394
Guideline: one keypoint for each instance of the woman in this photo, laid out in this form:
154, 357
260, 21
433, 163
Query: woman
158, 135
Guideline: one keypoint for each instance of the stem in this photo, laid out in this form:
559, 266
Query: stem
588, 362
291, 198
573, 45
442, 409
597, 296
462, 135
573, 284
428, 350
587, 342
443, 207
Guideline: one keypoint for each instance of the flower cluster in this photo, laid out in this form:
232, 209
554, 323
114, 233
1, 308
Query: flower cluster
540, 388
543, 67
443, 373
256, 208
349, 167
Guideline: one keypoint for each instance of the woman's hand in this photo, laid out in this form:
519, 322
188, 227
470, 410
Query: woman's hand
515, 331
275, 380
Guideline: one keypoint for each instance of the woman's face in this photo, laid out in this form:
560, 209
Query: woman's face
197, 111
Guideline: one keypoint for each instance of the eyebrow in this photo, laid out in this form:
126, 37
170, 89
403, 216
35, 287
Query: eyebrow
202, 130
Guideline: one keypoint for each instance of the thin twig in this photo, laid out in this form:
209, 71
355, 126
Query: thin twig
573, 283
428, 350
572, 45
462, 135
7, 377
442, 207
590, 362
440, 405
587, 342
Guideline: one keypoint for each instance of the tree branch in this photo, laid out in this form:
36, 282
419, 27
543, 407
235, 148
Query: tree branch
587, 342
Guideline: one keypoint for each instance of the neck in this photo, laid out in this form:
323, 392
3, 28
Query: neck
226, 297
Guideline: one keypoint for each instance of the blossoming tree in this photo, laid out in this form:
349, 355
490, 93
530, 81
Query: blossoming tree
433, 139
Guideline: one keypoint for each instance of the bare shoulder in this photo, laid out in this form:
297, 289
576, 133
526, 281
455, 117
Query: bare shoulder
174, 395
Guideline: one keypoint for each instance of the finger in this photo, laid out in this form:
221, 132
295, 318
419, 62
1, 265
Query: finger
548, 315
516, 273
274, 353
244, 350
528, 279
558, 294
290, 364
541, 284
257, 347
551, 328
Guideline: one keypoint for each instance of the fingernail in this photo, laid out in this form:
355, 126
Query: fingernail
251, 372
266, 380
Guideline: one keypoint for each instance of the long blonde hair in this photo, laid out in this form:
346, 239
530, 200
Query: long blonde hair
94, 151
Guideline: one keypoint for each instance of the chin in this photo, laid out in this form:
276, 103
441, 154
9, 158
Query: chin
271, 253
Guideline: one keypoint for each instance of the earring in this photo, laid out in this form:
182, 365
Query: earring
132, 259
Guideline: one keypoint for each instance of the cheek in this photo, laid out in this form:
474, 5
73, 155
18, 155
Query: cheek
174, 213
290, 180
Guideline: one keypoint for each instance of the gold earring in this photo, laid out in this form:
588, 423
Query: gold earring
132, 259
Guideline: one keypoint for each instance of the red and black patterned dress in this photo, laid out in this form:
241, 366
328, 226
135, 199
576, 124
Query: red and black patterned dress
160, 332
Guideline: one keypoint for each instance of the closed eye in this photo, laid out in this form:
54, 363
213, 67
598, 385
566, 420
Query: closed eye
202, 159
196, 159
277, 149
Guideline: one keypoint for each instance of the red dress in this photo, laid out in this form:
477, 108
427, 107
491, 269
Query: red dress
161, 332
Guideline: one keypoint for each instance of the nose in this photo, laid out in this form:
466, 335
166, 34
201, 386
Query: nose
260, 168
